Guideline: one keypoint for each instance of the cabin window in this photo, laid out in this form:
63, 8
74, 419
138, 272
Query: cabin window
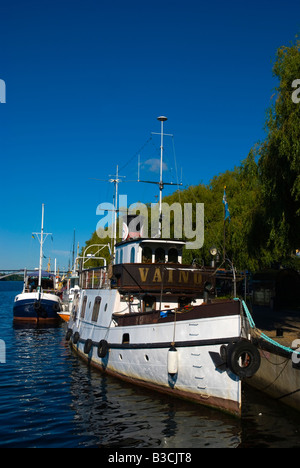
96, 309
147, 255
117, 257
121, 256
132, 255
126, 338
173, 256
149, 304
83, 307
159, 255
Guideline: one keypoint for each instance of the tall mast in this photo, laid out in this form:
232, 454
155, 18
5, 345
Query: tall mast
116, 180
41, 249
41, 236
161, 183
162, 119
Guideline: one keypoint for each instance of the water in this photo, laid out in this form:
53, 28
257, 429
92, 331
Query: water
49, 398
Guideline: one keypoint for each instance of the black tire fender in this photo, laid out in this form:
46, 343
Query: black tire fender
102, 348
88, 346
69, 334
243, 359
76, 337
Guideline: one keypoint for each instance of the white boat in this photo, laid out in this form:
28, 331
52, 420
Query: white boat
152, 322
38, 301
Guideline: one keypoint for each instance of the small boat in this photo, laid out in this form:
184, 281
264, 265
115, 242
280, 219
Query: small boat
153, 321
38, 301
69, 294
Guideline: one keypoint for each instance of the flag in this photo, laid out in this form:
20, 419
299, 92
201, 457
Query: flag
226, 209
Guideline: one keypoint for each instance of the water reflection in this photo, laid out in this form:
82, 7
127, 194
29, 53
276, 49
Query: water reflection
121, 415
50, 398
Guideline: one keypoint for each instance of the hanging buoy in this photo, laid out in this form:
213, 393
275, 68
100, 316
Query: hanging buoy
172, 361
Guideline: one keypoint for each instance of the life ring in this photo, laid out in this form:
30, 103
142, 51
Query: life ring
69, 334
102, 348
76, 337
87, 346
243, 358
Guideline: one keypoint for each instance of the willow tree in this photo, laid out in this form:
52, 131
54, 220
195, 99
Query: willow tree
280, 157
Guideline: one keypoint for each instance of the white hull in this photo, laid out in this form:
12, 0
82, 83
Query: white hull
144, 360
147, 319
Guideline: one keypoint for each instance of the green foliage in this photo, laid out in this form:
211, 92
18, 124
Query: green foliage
279, 162
243, 195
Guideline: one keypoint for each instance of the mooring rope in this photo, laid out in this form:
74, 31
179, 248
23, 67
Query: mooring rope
263, 336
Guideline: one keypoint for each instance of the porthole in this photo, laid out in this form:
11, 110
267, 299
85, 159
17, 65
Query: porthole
146, 357
120, 357
105, 308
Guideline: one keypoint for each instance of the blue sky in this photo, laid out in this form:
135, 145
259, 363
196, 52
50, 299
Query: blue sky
85, 82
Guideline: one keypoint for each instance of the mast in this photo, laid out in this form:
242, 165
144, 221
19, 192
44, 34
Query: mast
41, 250
162, 119
161, 183
41, 236
115, 180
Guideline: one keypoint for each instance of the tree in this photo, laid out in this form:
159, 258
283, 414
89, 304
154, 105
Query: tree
279, 163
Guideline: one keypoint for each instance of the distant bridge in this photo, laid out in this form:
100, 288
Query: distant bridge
7, 273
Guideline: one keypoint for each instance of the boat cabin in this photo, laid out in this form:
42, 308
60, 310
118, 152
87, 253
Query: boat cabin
149, 251
31, 280
150, 276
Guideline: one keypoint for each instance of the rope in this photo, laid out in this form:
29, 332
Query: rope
263, 336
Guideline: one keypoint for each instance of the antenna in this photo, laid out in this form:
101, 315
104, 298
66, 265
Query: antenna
115, 179
116, 182
162, 119
161, 183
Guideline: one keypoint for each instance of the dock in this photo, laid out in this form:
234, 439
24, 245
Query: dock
279, 373
281, 325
